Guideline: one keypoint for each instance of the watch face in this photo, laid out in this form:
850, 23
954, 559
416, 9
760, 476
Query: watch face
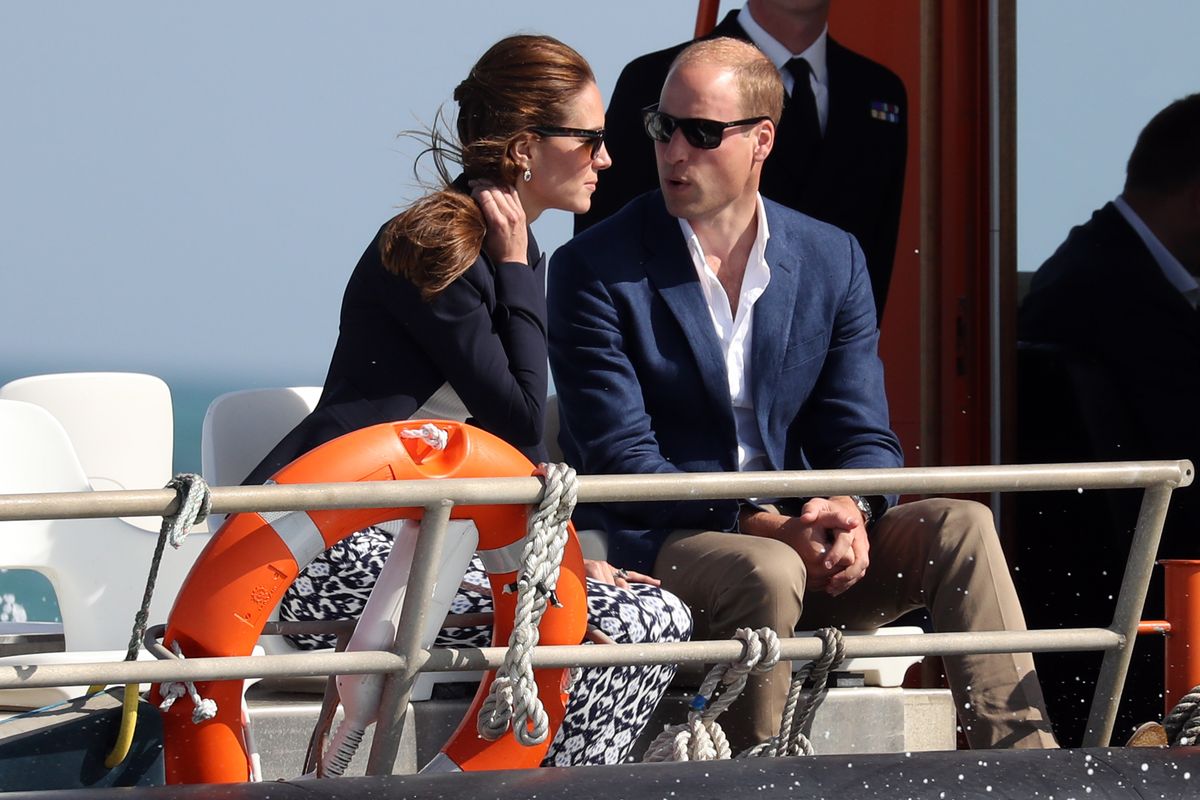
865, 508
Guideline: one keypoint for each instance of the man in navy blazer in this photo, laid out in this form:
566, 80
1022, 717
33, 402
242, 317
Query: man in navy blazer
703, 328
841, 144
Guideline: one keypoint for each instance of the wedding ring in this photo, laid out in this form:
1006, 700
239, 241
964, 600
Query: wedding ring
622, 574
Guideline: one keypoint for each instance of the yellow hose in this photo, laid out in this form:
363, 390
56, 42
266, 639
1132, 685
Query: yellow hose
128, 723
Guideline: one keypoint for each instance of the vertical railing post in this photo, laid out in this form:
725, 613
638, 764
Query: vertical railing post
397, 686
1182, 579
1130, 602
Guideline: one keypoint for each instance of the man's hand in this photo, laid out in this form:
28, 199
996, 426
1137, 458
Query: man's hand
829, 536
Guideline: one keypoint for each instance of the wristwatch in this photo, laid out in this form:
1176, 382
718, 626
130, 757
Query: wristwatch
864, 506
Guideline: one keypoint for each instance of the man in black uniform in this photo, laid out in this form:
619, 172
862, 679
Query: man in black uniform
841, 144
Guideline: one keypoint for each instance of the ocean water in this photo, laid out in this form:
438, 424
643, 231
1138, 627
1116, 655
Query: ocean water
26, 595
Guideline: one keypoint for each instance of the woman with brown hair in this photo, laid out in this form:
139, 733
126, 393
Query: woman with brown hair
444, 317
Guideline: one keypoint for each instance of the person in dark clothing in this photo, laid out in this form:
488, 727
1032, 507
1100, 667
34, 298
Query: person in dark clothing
1117, 304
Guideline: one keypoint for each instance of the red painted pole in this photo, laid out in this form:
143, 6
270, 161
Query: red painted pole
1182, 578
706, 17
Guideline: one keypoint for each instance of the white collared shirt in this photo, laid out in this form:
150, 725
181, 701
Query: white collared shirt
734, 332
780, 55
1175, 272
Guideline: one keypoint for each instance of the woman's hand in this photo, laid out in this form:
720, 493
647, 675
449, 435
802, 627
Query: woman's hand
606, 573
507, 237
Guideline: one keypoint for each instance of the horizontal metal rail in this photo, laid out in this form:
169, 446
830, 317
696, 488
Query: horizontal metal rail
610, 488
437, 498
806, 648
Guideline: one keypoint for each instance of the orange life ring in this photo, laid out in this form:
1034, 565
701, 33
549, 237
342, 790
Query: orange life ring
240, 577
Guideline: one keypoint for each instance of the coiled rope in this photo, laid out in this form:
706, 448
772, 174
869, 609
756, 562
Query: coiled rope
194, 501
1183, 723
701, 737
799, 709
513, 697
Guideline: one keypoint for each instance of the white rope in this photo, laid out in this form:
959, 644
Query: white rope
791, 740
429, 433
513, 697
701, 737
204, 709
1183, 723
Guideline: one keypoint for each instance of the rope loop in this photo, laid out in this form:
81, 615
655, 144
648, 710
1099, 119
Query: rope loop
701, 738
430, 434
1183, 723
203, 708
799, 708
195, 500
512, 700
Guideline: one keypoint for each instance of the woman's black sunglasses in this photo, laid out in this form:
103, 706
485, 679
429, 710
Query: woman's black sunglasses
703, 133
596, 136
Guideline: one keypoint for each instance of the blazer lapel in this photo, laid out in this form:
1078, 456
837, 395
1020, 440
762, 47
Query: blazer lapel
773, 317
673, 275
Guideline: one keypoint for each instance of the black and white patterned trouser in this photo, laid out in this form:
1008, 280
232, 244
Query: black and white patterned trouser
608, 706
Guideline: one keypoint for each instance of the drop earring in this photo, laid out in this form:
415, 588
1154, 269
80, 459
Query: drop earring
526, 175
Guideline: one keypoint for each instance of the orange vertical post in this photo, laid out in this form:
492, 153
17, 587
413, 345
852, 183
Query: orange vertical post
1182, 579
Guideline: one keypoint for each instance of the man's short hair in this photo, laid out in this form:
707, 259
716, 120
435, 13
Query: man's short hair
759, 86
1167, 154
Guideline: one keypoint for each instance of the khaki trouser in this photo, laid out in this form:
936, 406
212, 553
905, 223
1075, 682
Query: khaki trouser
940, 554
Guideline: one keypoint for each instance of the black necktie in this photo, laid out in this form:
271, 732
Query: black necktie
801, 108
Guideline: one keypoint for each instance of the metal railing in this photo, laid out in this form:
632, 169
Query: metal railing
406, 658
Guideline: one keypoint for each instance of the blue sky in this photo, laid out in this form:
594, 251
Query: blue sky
184, 188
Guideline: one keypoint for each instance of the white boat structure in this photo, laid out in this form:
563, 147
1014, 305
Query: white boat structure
93, 539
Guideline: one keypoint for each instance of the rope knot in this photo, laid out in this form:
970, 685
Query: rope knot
195, 500
429, 433
203, 709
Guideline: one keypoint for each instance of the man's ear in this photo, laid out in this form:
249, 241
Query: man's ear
764, 140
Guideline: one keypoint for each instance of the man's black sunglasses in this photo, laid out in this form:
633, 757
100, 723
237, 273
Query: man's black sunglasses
595, 136
703, 133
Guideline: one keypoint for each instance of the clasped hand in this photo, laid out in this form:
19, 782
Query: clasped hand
829, 537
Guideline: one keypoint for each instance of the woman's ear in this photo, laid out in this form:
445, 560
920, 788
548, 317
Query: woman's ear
520, 150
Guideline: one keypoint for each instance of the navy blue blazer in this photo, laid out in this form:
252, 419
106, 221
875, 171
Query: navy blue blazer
854, 181
641, 378
484, 334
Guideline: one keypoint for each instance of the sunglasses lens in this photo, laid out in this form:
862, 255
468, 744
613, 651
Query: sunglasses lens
659, 126
702, 133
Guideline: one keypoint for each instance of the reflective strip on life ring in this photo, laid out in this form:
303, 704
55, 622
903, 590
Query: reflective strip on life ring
240, 577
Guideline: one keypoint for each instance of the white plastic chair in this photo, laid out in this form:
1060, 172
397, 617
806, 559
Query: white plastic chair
242, 427
239, 429
96, 566
119, 423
